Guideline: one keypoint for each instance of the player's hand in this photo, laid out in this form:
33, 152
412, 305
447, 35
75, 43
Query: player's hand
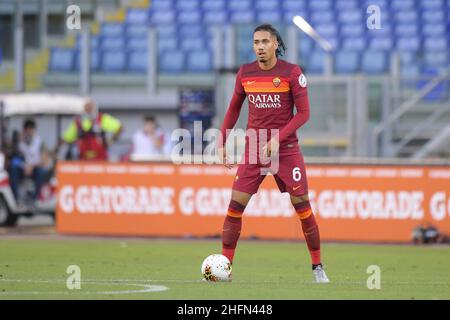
271, 148
223, 157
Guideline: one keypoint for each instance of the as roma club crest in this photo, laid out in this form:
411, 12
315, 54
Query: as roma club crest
276, 81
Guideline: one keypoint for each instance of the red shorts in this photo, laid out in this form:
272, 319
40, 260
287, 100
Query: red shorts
290, 177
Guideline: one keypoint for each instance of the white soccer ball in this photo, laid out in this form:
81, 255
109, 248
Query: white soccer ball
216, 267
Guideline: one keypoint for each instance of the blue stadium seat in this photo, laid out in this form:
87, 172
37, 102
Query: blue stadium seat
383, 4
432, 4
327, 30
436, 59
199, 61
381, 44
294, 5
137, 61
374, 62
346, 62
192, 16
215, 17
112, 43
350, 16
406, 16
166, 31
192, 43
406, 30
352, 30
239, 5
433, 29
190, 30
95, 60
214, 5
354, 44
95, 42
435, 44
408, 44
433, 16
136, 30
187, 4
273, 16
320, 5
438, 93
346, 5
136, 16
112, 29
171, 62
242, 17
161, 5
62, 59
316, 62
265, 5
402, 4
162, 17
322, 17
113, 61
137, 43
165, 44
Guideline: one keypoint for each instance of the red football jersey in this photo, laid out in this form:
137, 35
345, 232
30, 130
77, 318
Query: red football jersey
271, 97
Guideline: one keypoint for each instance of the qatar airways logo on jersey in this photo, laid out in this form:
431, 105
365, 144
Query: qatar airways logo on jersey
265, 101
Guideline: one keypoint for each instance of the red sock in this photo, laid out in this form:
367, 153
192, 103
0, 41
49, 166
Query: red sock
310, 230
232, 229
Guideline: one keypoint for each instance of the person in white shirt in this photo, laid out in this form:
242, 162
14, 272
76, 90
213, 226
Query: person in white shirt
28, 162
150, 140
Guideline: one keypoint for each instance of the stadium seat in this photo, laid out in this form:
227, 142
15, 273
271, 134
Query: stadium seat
189, 17
316, 62
192, 43
354, 44
265, 5
352, 30
294, 5
112, 43
269, 16
95, 41
322, 18
214, 5
406, 30
346, 5
350, 16
240, 5
383, 4
373, 62
62, 59
190, 30
137, 61
432, 29
432, 4
242, 17
165, 44
436, 59
187, 4
346, 62
406, 17
95, 60
162, 17
113, 61
435, 44
305, 45
402, 4
136, 16
320, 5
438, 93
381, 44
112, 29
171, 62
433, 16
136, 30
215, 17
166, 31
408, 44
199, 61
137, 43
161, 5
327, 30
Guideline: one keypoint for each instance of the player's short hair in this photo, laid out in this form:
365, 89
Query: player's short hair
29, 124
274, 32
149, 118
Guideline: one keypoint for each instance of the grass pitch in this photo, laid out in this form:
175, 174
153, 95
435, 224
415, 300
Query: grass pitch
170, 269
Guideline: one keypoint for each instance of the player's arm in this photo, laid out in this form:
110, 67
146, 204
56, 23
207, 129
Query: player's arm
231, 116
112, 125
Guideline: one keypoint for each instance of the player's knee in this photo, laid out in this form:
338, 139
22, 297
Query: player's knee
235, 209
303, 209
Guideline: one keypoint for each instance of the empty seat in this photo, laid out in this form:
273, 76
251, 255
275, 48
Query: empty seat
171, 62
112, 43
346, 62
215, 17
432, 4
137, 43
136, 16
346, 5
165, 44
62, 59
436, 59
191, 30
242, 17
294, 5
438, 93
320, 5
327, 30
113, 61
322, 17
433, 29
305, 45
199, 61
374, 62
136, 30
216, 5
162, 17
352, 30
408, 44
265, 5
406, 30
354, 44
239, 5
381, 44
316, 62
402, 4
433, 16
95, 42
112, 29
192, 43
161, 4
137, 61
435, 43
350, 16
192, 16
166, 31
269, 16
409, 16
187, 4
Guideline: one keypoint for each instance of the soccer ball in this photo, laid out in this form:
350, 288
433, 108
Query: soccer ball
216, 267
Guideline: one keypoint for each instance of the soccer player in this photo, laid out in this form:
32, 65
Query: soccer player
272, 87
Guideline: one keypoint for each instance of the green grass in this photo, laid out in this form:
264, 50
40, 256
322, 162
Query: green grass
36, 269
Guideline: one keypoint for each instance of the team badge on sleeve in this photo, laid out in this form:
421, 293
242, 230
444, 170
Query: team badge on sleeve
302, 80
